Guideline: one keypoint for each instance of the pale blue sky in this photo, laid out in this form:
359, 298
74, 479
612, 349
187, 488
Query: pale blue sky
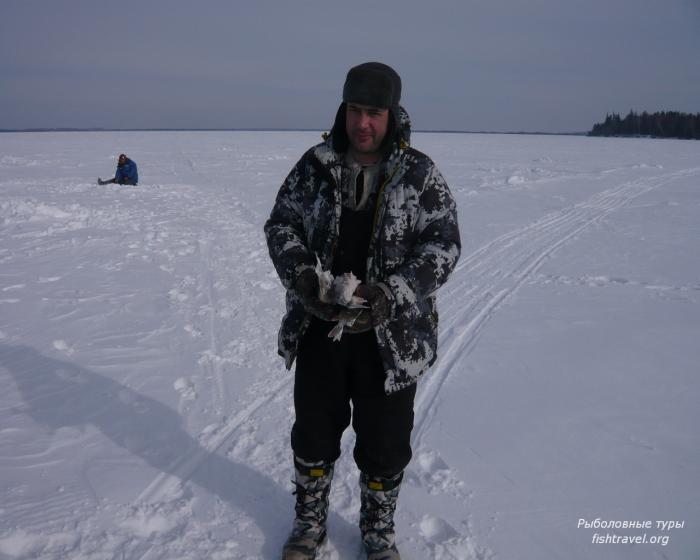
499, 65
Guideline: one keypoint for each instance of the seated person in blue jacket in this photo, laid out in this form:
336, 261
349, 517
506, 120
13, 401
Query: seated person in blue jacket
127, 174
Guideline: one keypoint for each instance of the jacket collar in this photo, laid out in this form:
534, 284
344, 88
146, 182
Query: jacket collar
333, 161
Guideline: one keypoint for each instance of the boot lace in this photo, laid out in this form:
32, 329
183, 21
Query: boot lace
380, 517
311, 504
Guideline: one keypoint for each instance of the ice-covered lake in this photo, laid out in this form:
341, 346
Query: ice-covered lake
145, 414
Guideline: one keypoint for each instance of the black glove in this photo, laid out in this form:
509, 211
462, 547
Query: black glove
306, 284
379, 305
307, 287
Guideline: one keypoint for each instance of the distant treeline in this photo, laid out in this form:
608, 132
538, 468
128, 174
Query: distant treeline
667, 124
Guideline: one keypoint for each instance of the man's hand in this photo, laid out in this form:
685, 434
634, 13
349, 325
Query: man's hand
379, 305
306, 285
307, 288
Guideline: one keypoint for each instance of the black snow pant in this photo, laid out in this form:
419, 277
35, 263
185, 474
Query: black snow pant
332, 375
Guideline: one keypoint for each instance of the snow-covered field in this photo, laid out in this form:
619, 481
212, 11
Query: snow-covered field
145, 414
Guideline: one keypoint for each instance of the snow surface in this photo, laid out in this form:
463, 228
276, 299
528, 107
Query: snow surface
145, 413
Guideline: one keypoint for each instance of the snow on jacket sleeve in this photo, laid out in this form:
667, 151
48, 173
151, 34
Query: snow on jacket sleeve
437, 248
284, 230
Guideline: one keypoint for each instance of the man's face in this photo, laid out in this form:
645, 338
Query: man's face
122, 159
366, 127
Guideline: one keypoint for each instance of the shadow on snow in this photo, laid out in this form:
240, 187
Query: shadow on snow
61, 394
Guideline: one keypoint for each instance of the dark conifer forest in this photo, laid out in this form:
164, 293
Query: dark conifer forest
667, 124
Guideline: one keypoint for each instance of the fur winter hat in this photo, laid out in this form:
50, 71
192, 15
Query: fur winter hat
374, 84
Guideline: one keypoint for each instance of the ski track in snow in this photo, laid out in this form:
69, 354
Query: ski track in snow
484, 280
493, 273
209, 277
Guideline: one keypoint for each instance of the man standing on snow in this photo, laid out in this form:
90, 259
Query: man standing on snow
127, 173
365, 202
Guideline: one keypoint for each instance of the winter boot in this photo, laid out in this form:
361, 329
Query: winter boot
313, 484
378, 504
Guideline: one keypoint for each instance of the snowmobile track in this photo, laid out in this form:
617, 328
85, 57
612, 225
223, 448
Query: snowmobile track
493, 273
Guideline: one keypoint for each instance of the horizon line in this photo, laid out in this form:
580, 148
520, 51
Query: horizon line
267, 129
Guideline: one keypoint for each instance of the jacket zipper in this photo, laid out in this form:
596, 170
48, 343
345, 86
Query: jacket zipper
375, 219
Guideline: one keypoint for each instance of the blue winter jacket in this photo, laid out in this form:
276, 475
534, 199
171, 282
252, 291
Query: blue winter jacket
127, 173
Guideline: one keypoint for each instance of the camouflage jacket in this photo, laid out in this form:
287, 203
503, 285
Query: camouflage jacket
414, 247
